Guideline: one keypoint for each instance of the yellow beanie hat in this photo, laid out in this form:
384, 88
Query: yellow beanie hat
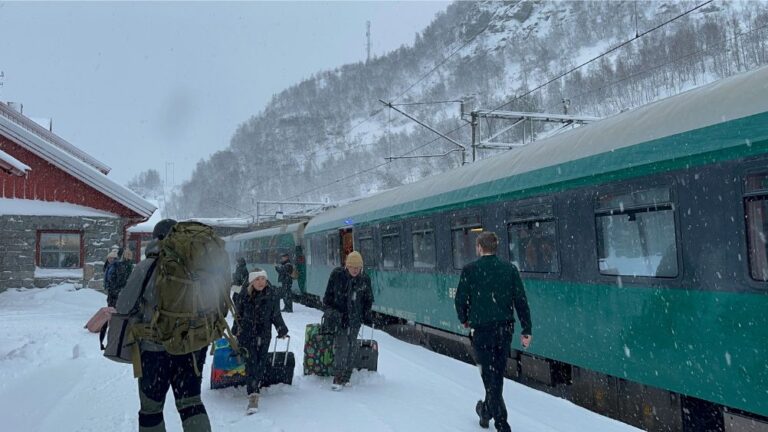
354, 259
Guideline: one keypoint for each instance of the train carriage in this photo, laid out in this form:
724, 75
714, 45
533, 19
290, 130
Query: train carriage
263, 248
642, 242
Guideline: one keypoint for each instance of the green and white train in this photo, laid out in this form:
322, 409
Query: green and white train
641, 239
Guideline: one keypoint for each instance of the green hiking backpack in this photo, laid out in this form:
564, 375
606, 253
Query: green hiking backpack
192, 288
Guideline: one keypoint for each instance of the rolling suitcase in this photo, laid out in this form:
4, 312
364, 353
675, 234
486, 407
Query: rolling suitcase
280, 366
228, 368
367, 354
98, 319
318, 351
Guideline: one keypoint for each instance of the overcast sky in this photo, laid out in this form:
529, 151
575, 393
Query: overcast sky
137, 85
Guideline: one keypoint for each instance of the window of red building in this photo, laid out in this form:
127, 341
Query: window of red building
59, 249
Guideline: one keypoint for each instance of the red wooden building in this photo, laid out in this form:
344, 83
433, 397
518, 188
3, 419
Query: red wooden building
59, 212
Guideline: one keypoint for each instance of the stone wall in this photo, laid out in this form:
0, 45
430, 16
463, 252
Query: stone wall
18, 235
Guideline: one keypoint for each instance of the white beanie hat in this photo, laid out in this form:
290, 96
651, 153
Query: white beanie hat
254, 274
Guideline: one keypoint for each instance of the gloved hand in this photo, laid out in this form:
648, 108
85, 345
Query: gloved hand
465, 324
282, 335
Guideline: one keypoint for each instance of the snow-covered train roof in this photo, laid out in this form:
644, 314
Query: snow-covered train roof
623, 141
269, 232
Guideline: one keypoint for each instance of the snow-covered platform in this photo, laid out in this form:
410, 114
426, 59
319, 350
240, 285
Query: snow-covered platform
54, 378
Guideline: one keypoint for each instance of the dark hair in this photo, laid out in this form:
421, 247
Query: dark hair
488, 241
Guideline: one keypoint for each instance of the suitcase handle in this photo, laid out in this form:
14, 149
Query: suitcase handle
362, 332
287, 345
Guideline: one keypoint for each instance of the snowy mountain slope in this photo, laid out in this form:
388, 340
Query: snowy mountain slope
332, 126
53, 378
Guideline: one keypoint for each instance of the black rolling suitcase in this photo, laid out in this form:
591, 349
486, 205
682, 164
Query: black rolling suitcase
280, 366
367, 354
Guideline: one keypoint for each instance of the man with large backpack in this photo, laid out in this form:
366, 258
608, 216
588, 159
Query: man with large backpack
165, 294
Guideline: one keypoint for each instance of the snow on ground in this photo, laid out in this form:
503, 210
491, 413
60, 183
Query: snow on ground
54, 378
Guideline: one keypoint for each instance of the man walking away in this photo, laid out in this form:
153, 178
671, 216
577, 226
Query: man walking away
349, 293
489, 292
285, 279
161, 370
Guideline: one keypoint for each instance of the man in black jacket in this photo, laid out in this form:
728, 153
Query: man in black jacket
239, 277
349, 293
285, 279
258, 309
489, 292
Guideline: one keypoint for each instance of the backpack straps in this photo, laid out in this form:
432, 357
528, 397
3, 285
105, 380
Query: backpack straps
137, 372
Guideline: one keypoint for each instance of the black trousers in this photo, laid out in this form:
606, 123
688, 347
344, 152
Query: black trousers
255, 364
345, 349
492, 348
286, 294
182, 373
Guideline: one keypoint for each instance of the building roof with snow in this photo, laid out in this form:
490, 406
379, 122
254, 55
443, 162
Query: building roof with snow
59, 170
11, 165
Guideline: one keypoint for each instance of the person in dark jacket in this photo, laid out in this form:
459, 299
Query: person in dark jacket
117, 277
489, 292
239, 277
284, 278
258, 309
162, 371
350, 295
109, 279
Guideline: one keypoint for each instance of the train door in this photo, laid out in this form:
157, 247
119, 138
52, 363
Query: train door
346, 243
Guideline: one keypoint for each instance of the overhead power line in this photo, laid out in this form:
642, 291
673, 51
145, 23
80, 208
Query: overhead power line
667, 63
625, 43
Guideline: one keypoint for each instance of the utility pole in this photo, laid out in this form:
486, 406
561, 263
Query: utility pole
368, 41
2, 79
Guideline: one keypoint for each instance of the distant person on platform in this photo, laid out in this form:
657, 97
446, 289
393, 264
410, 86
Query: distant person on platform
350, 295
285, 279
239, 278
118, 275
490, 291
109, 269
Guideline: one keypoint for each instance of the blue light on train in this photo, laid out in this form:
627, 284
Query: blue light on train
348, 221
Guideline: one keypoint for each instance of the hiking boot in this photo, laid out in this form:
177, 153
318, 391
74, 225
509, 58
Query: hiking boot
253, 403
338, 384
483, 414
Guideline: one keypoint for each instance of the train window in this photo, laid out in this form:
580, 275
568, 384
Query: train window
756, 209
532, 240
332, 255
366, 248
423, 245
636, 234
464, 232
390, 247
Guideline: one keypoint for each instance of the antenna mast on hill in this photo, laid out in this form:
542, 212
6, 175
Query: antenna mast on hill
368, 40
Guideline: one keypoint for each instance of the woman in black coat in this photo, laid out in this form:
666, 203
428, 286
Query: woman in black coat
258, 309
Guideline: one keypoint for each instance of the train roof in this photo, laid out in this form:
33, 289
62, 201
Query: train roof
729, 114
269, 232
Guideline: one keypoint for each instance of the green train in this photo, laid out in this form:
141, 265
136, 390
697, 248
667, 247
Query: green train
641, 239
263, 248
